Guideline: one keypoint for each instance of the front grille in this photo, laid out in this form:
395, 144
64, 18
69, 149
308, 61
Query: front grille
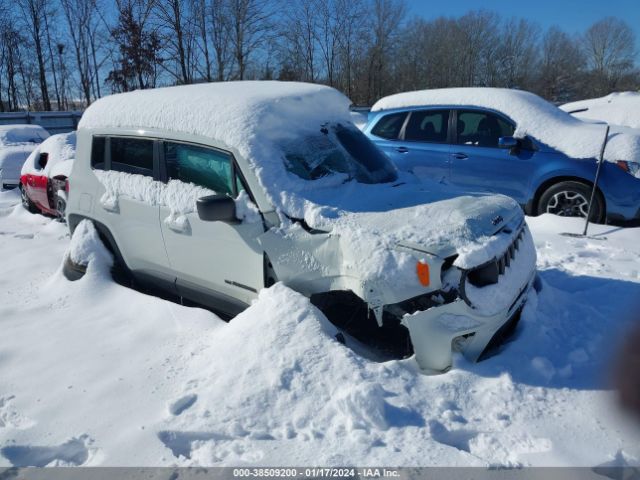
489, 273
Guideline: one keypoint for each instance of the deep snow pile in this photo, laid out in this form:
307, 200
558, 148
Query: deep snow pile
61, 150
94, 373
618, 108
532, 115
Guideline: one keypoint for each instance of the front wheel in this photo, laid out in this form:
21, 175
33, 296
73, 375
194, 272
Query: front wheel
26, 201
571, 199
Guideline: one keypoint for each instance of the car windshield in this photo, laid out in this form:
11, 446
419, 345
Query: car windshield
338, 149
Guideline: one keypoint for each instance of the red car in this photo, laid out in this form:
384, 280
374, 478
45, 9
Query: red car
44, 176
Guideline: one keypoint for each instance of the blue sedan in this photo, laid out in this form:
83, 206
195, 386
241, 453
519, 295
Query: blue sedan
474, 148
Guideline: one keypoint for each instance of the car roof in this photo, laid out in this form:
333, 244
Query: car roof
224, 111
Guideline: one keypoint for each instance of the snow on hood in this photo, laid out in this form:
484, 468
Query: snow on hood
464, 225
618, 108
61, 149
21, 134
533, 116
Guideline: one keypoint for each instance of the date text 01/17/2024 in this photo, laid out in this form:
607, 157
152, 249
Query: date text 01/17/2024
318, 472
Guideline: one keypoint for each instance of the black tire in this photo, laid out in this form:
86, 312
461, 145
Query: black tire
26, 202
61, 206
73, 271
571, 199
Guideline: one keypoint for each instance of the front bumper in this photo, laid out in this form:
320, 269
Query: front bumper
435, 333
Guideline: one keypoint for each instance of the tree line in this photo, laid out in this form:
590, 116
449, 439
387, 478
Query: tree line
64, 54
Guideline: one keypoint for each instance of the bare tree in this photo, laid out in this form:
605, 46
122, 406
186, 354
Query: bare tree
561, 67
33, 12
517, 53
173, 18
249, 26
609, 48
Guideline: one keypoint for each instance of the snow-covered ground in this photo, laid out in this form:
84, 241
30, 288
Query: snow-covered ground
93, 373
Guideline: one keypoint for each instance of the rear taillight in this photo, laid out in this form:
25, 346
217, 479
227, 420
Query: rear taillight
66, 185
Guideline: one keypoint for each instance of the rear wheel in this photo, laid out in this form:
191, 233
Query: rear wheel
26, 201
571, 199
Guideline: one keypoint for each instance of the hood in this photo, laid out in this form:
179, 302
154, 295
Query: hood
440, 228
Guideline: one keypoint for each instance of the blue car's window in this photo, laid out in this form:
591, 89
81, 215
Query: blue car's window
427, 126
389, 126
481, 129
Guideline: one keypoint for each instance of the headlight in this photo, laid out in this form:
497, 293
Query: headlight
632, 168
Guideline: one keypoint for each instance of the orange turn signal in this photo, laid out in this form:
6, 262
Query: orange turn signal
422, 269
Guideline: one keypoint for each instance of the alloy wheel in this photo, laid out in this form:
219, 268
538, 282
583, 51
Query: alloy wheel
568, 204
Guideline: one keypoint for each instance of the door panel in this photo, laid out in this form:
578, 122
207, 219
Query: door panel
221, 259
135, 223
477, 164
215, 256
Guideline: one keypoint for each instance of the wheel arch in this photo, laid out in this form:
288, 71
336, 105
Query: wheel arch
105, 235
559, 179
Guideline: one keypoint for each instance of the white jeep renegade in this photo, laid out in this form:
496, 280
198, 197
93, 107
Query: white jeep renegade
215, 191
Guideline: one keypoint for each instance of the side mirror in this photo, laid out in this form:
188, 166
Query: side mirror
508, 142
42, 160
217, 208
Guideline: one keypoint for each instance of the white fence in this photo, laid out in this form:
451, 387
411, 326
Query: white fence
54, 122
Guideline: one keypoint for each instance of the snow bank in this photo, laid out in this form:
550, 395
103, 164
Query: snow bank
618, 108
61, 150
533, 116
21, 134
178, 196
90, 368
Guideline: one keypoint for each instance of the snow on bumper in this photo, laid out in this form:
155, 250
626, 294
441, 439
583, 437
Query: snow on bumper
469, 324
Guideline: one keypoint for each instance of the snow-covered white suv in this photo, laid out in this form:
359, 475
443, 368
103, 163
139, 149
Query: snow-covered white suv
215, 191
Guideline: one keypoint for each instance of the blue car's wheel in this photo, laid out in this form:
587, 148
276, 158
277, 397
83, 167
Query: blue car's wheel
571, 199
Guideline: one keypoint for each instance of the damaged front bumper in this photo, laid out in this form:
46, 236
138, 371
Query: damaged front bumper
435, 333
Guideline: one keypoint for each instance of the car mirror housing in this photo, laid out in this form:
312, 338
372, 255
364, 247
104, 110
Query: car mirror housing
508, 142
217, 208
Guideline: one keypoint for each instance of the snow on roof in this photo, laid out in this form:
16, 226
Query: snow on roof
19, 134
254, 117
533, 116
60, 149
618, 108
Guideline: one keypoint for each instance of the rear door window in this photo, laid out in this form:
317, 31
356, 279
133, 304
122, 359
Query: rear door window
132, 155
389, 126
206, 167
481, 129
429, 126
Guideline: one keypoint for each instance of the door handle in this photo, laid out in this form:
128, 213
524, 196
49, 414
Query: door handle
402, 150
460, 156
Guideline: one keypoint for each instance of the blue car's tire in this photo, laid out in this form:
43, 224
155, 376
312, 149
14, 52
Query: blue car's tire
571, 199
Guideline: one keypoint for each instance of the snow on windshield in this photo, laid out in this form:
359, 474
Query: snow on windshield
21, 134
337, 149
533, 116
618, 108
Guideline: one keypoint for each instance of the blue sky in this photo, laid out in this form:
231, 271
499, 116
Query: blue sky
573, 16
